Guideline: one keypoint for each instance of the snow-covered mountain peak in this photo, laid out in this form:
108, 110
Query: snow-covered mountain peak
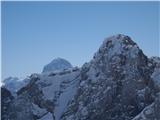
118, 50
118, 45
56, 65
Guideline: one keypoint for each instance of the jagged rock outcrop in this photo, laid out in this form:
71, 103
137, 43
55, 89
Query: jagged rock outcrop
119, 83
152, 111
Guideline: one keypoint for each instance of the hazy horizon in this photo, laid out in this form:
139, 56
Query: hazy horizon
34, 33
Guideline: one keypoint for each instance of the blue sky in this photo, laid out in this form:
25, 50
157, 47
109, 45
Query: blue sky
34, 33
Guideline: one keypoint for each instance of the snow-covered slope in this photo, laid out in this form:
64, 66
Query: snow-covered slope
119, 83
47, 95
56, 65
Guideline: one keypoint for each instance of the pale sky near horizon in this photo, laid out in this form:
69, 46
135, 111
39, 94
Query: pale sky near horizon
34, 33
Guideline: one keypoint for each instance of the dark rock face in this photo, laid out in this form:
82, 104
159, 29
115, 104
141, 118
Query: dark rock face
119, 83
6, 99
152, 111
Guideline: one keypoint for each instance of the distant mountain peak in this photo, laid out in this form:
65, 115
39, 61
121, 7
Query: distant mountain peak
57, 64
